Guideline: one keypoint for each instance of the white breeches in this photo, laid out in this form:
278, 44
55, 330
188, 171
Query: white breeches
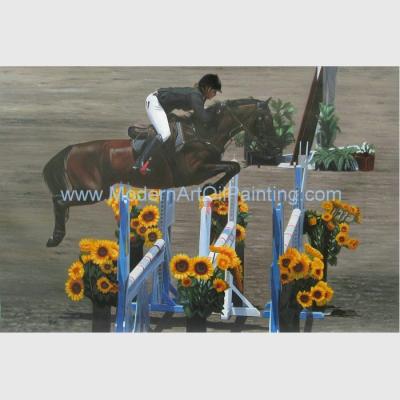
157, 116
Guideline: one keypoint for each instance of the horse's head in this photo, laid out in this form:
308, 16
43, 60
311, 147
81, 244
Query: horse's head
251, 116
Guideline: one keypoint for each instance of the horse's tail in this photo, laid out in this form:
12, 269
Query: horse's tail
54, 172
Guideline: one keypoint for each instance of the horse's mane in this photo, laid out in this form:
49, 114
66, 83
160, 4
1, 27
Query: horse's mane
235, 103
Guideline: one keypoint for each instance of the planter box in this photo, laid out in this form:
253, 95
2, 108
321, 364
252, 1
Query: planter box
365, 162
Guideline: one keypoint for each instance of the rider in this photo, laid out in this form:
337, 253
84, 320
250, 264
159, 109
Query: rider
164, 100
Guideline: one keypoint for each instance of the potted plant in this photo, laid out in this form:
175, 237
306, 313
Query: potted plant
365, 157
328, 126
334, 159
274, 133
200, 286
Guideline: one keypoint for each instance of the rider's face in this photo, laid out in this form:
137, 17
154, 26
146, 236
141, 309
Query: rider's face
210, 93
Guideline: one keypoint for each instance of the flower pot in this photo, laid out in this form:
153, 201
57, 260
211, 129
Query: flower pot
365, 161
196, 324
101, 319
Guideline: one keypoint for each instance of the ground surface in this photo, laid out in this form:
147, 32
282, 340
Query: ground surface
44, 109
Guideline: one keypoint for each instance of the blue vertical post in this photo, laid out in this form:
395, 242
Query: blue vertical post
123, 260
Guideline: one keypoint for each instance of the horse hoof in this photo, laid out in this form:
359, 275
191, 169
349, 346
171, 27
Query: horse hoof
55, 240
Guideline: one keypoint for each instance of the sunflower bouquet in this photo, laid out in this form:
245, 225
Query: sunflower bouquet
305, 272
94, 274
201, 287
143, 220
329, 230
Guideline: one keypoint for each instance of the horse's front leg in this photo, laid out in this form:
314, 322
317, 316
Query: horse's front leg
228, 168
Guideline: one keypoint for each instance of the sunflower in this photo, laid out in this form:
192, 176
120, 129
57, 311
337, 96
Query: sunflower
358, 218
312, 251
102, 252
289, 258
343, 227
327, 217
107, 268
304, 299
74, 289
352, 244
328, 293
286, 276
222, 209
114, 249
202, 267
341, 238
327, 206
240, 233
317, 269
104, 285
337, 203
243, 207
236, 263
76, 270
224, 262
86, 245
151, 236
85, 258
149, 216
330, 226
180, 266
301, 268
141, 230
346, 207
318, 295
224, 250
220, 285
114, 288
186, 281
312, 221
134, 223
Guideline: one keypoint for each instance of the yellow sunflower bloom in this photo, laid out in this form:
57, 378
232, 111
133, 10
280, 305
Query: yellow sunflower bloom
186, 281
352, 244
286, 276
222, 209
180, 266
114, 249
317, 269
346, 207
240, 233
312, 221
301, 268
74, 289
236, 263
224, 250
358, 219
141, 230
149, 216
341, 238
224, 262
76, 270
202, 268
102, 252
104, 285
345, 228
289, 258
220, 285
327, 217
337, 203
134, 223
114, 288
330, 226
328, 293
86, 245
318, 295
312, 251
107, 268
151, 236
304, 298
243, 207
327, 206
85, 258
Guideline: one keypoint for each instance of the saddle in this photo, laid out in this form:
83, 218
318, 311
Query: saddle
182, 130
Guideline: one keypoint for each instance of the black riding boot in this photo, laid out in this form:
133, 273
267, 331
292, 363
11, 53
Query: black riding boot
149, 147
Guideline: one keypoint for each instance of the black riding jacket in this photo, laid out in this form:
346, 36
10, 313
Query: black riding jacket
184, 98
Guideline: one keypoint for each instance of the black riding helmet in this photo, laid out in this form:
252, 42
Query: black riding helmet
210, 80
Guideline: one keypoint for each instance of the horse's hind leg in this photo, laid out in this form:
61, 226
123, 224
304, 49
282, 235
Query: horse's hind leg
60, 215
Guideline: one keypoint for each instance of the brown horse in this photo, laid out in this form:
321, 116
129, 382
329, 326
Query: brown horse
97, 165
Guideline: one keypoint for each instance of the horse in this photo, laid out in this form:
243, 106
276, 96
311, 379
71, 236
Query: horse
99, 164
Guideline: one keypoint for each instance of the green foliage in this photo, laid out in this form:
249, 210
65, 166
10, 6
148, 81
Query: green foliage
328, 126
268, 141
366, 149
335, 159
